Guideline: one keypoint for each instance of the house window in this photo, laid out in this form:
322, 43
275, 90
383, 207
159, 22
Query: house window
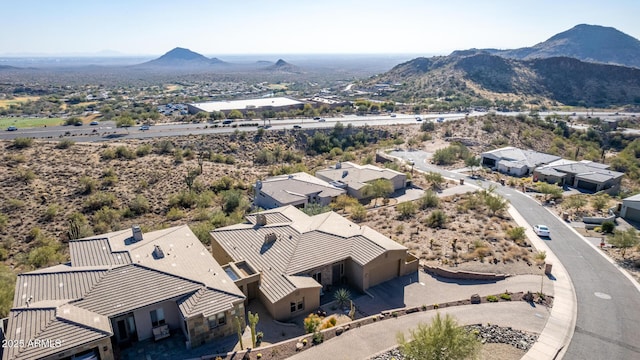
297, 306
341, 268
157, 317
217, 320
318, 277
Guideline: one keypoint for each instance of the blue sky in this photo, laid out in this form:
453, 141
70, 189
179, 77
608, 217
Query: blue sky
213, 27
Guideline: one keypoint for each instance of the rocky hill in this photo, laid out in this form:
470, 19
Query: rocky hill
283, 66
181, 57
584, 42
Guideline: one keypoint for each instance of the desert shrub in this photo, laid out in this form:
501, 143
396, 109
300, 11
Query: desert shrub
123, 152
175, 214
108, 154
436, 219
107, 215
358, 212
312, 323
99, 200
428, 200
516, 233
505, 296
139, 205
201, 230
4, 220
25, 175
264, 157
233, 200
87, 185
15, 204
22, 143
608, 226
164, 147
428, 126
109, 177
222, 184
205, 199
406, 209
46, 254
64, 144
178, 157
185, 199
143, 150
492, 298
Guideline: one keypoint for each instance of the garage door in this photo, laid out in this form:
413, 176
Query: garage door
587, 185
632, 214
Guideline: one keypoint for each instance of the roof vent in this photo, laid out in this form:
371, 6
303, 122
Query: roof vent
258, 185
345, 173
269, 238
157, 252
261, 220
137, 233
338, 165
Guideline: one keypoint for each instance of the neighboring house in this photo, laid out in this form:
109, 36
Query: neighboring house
297, 189
354, 178
298, 255
583, 175
120, 288
514, 161
630, 209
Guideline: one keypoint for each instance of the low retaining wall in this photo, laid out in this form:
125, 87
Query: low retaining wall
466, 275
598, 220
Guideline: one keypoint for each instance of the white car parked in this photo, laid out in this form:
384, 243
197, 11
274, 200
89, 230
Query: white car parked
541, 230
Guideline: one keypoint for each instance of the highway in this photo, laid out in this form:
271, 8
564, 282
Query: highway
608, 323
107, 131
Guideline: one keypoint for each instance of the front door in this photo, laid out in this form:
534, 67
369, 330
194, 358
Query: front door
125, 329
336, 274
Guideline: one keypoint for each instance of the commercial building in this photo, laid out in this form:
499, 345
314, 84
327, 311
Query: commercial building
262, 104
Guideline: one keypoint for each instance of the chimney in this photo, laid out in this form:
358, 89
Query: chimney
137, 233
269, 238
157, 252
261, 220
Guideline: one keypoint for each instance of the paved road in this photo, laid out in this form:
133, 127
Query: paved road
608, 323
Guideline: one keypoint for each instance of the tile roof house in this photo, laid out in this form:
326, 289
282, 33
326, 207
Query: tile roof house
630, 208
584, 175
297, 189
298, 255
354, 178
122, 287
514, 161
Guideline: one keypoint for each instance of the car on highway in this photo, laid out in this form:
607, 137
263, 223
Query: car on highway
316, 118
418, 118
440, 119
12, 128
144, 127
322, 120
93, 123
393, 115
541, 230
297, 127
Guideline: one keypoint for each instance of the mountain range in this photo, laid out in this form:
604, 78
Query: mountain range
587, 65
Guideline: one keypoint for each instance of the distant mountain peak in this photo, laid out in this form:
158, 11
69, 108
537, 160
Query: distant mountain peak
281, 62
591, 43
182, 57
283, 66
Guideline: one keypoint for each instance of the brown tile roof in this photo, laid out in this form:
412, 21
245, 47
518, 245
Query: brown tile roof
357, 176
96, 252
68, 285
132, 286
27, 325
206, 302
302, 244
287, 189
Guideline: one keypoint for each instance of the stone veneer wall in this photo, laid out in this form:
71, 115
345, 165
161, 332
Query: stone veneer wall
199, 332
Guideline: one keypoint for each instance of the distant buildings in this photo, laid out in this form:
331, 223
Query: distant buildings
297, 189
354, 178
583, 175
262, 104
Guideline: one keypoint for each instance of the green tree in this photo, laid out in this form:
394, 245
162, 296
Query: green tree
428, 200
235, 114
575, 202
253, 321
312, 323
550, 191
358, 212
434, 179
624, 240
443, 339
124, 121
436, 219
496, 204
8, 284
378, 188
599, 202
472, 162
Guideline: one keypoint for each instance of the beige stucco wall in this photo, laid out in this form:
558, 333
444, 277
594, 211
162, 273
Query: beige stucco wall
103, 346
384, 267
142, 318
282, 309
219, 254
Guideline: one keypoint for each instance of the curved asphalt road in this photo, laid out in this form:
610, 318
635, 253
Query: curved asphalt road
608, 323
